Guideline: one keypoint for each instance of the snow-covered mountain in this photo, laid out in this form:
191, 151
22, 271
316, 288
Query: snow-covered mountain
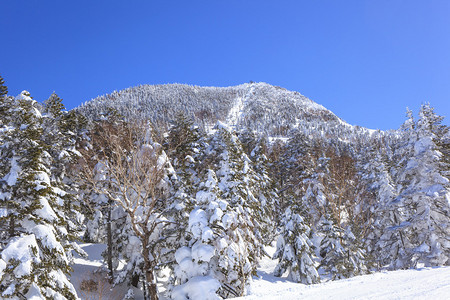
257, 106
339, 200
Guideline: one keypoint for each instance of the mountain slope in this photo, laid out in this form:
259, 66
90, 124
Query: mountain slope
256, 106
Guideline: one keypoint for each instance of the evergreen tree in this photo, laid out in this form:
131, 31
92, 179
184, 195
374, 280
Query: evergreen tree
197, 261
394, 239
182, 139
224, 205
379, 192
425, 221
34, 260
342, 255
314, 198
294, 249
60, 134
265, 192
3, 88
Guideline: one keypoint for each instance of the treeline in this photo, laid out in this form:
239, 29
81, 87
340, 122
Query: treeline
205, 203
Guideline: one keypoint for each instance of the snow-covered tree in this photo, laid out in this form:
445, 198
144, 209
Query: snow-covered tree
225, 205
182, 140
34, 259
241, 218
314, 198
295, 251
422, 208
265, 192
342, 255
379, 192
135, 175
197, 272
3, 87
60, 131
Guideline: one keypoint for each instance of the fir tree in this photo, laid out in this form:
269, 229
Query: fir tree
225, 213
3, 88
34, 260
197, 260
422, 204
342, 255
294, 249
60, 134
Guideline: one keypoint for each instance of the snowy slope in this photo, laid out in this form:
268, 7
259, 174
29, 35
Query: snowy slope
425, 283
256, 106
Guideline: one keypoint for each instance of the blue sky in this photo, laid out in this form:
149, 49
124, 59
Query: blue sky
364, 60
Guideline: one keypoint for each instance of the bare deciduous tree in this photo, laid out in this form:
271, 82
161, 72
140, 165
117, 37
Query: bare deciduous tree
131, 171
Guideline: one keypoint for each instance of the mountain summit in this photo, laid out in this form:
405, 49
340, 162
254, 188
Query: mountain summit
256, 106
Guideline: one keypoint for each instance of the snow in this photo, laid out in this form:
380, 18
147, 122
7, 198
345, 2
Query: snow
200, 288
42, 177
11, 177
223, 126
204, 197
237, 110
9, 290
197, 222
46, 211
34, 293
92, 268
182, 253
424, 283
428, 283
45, 234
20, 249
202, 252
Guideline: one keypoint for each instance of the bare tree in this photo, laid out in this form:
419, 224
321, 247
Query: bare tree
131, 171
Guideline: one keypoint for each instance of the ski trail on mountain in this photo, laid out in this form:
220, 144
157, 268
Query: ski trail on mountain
237, 110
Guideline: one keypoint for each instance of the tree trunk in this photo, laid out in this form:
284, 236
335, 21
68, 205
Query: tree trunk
148, 269
11, 226
151, 285
144, 287
109, 241
69, 209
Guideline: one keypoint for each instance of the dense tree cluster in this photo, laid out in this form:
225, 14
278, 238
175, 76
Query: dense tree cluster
201, 198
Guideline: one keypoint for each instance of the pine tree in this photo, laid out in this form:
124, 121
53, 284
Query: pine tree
224, 204
342, 255
60, 134
197, 259
182, 139
265, 192
425, 222
394, 239
294, 249
34, 260
314, 198
380, 193
3, 88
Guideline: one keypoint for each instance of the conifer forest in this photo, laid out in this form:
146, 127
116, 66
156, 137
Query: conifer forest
195, 182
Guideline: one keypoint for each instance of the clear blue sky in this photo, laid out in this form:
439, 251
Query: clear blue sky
364, 60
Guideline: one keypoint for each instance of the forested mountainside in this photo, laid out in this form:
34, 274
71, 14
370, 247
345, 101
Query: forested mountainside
254, 106
196, 181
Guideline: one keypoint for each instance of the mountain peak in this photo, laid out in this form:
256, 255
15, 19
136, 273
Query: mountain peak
256, 106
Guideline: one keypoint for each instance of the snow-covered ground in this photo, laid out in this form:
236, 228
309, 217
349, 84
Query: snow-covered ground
424, 283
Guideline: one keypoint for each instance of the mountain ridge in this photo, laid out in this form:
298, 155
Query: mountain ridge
256, 106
